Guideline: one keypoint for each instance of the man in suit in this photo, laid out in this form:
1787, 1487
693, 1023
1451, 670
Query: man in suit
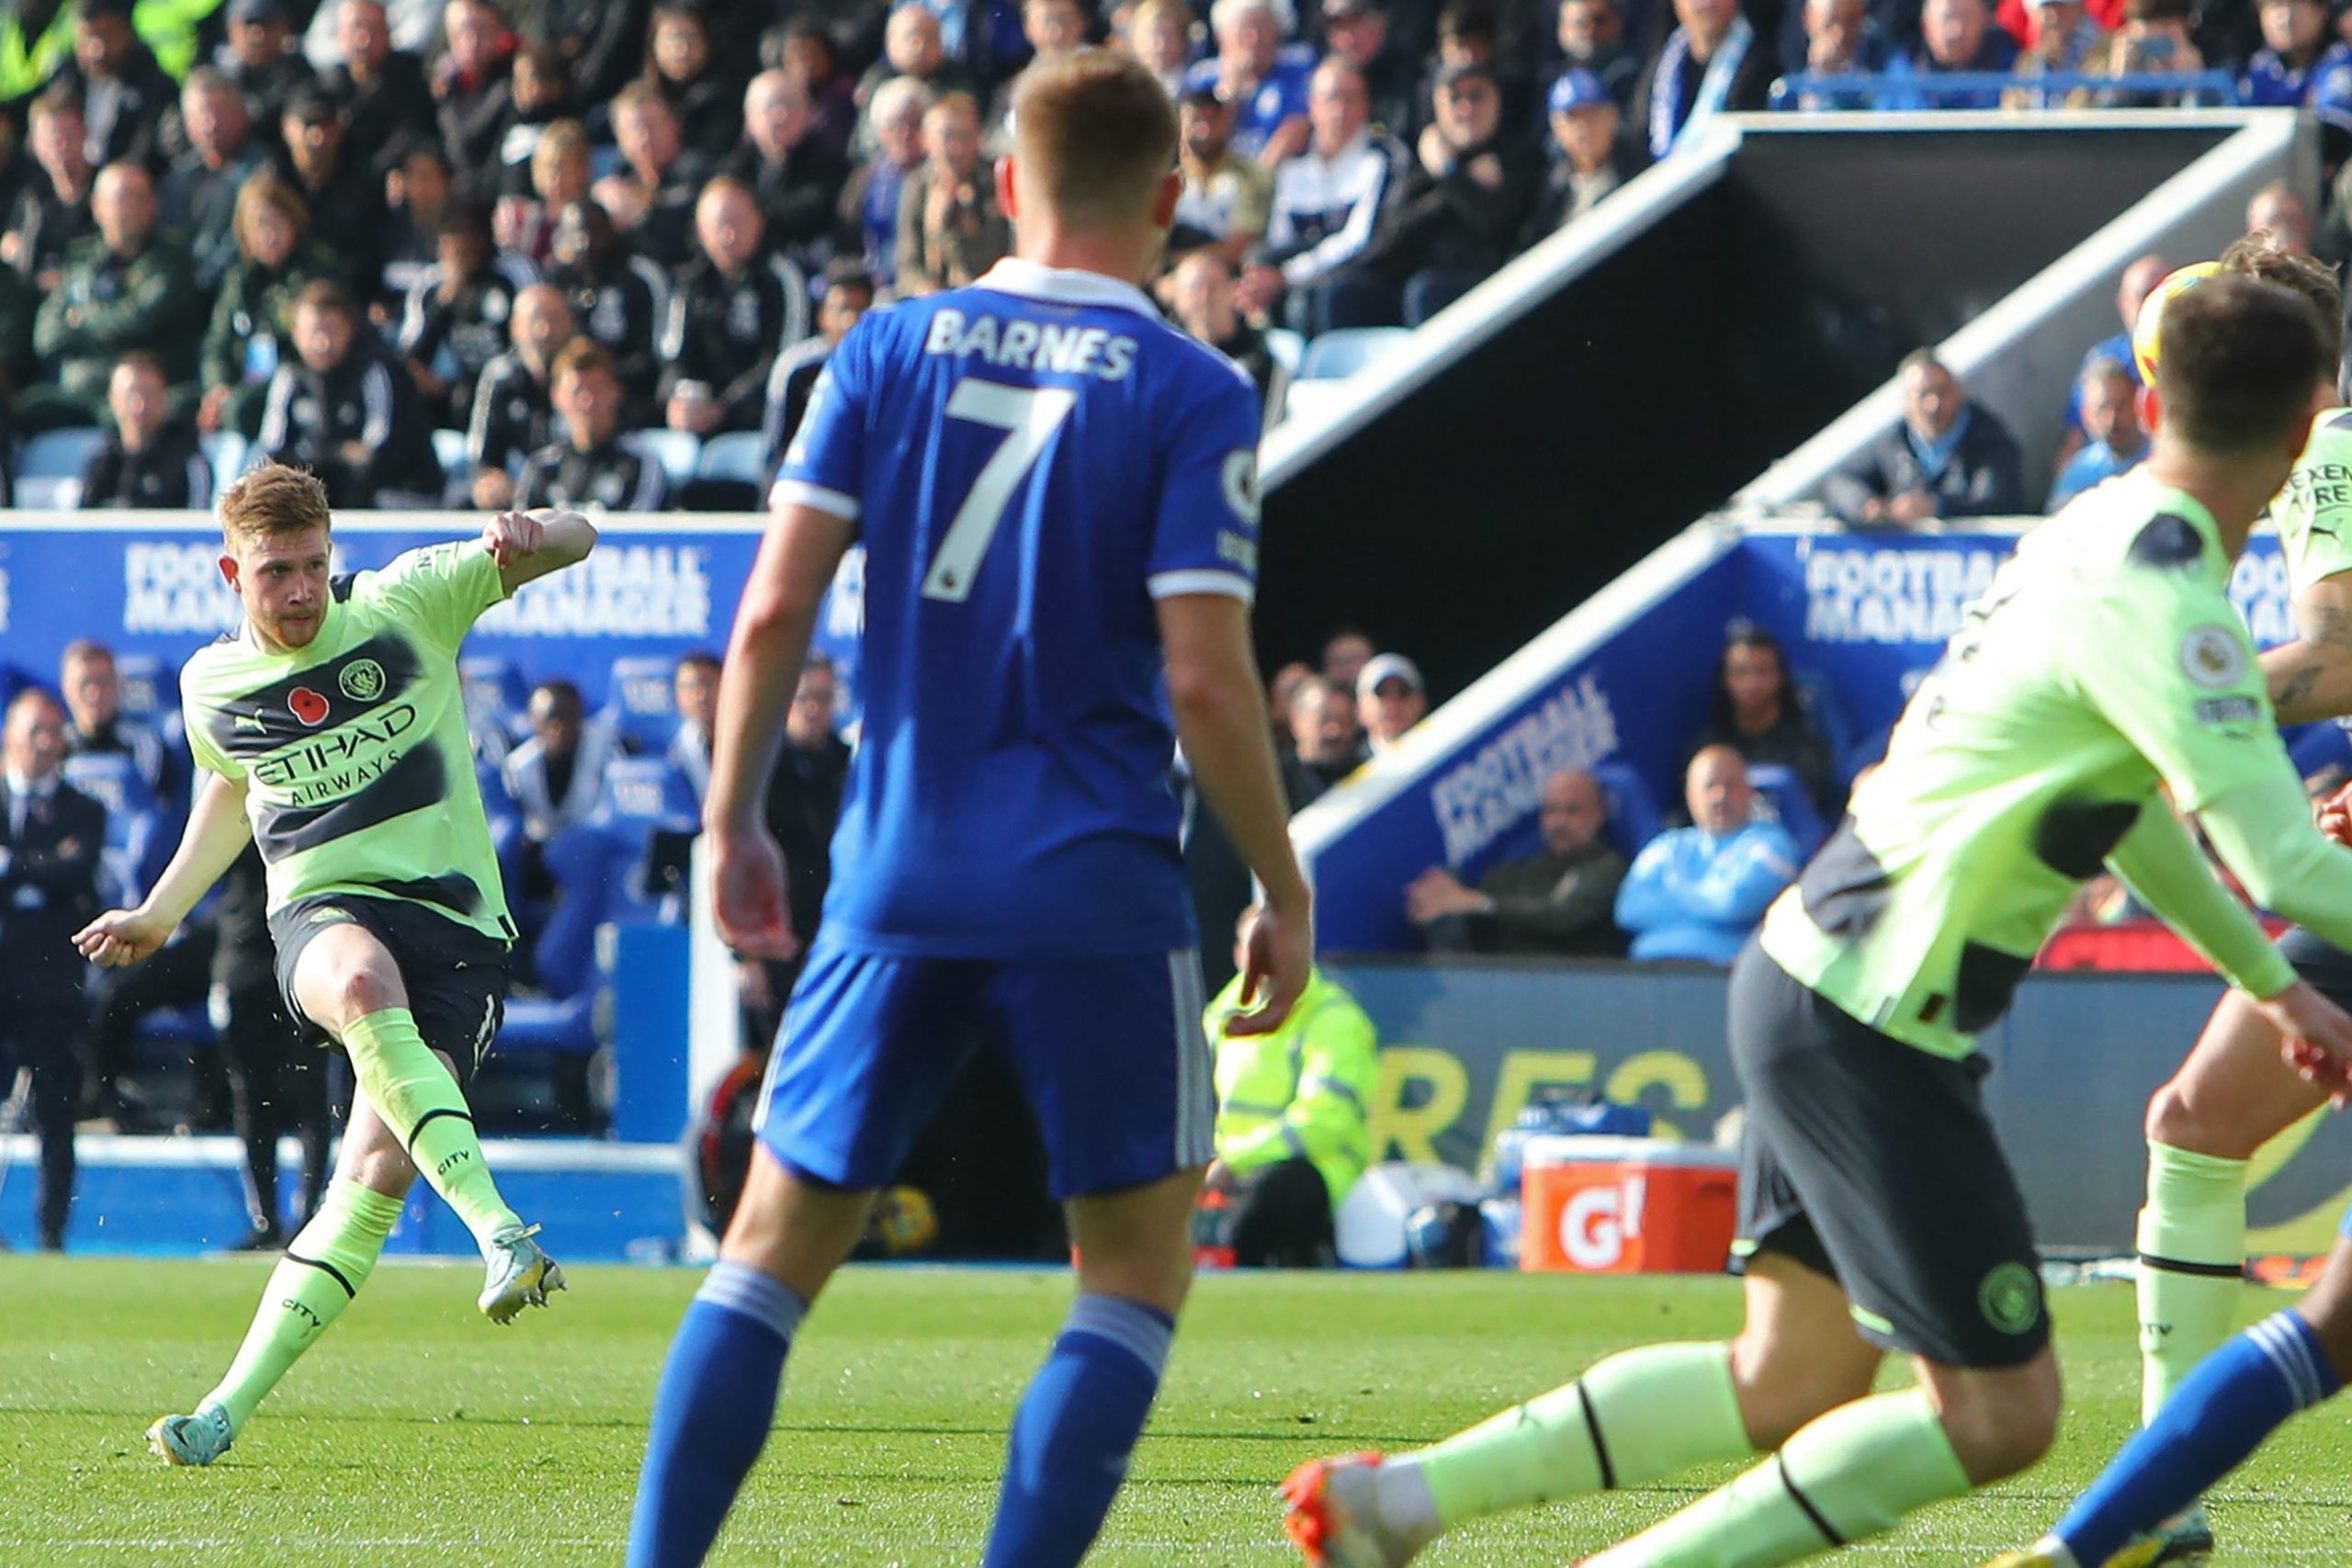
48, 889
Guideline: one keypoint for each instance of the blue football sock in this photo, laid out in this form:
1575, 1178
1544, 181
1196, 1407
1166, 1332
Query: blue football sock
711, 1416
1075, 1431
2221, 1414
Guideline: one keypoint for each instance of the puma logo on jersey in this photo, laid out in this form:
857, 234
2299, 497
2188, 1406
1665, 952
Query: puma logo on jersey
251, 721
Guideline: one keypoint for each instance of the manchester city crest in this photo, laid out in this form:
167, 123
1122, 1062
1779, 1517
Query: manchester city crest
362, 680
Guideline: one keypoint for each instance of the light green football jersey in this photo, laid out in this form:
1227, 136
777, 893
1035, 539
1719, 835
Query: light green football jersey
2313, 514
359, 774
2104, 659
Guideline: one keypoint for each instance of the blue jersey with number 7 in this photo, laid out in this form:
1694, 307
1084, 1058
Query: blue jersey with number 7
1030, 462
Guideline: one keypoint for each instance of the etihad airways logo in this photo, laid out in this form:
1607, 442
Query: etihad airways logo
336, 763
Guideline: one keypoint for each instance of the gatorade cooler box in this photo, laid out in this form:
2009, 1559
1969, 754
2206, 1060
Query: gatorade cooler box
1601, 1205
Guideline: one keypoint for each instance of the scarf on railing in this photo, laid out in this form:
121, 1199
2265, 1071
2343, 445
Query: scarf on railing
1714, 87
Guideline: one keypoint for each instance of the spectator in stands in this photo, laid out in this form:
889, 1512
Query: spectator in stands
693, 689
618, 299
1948, 456
1226, 197
561, 171
1841, 39
1391, 697
796, 178
1955, 36
1467, 35
652, 198
2296, 68
277, 1082
1052, 29
1202, 298
1265, 85
1712, 62
541, 91
1281, 690
19, 365
124, 93
416, 195
344, 410
2279, 210
457, 319
125, 287
199, 195
849, 294
1759, 713
345, 198
513, 410
2061, 40
97, 725
1466, 201
949, 231
1345, 653
2131, 291
680, 66
253, 316
1357, 31
1560, 902
1591, 38
259, 64
1325, 744
870, 198
473, 90
2154, 40
1593, 159
151, 457
1696, 892
804, 801
911, 51
601, 43
49, 890
2114, 444
383, 94
53, 210
805, 53
731, 313
1292, 1136
557, 776
1326, 203
592, 468
1159, 34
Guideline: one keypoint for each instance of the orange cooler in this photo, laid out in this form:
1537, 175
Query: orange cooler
1601, 1205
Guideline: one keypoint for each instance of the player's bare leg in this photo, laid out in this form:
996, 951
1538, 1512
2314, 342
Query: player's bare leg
348, 984
1634, 1419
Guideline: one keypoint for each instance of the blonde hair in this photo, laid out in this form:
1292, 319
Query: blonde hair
1093, 134
267, 192
274, 502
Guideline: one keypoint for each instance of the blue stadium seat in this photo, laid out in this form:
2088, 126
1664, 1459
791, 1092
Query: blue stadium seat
2318, 747
639, 703
1289, 348
676, 450
49, 492
1634, 815
586, 864
132, 818
150, 684
1780, 788
59, 454
449, 450
1339, 355
643, 796
227, 451
741, 455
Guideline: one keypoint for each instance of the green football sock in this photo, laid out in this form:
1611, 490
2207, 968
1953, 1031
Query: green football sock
2192, 1258
1630, 1420
1851, 1473
323, 1268
414, 1094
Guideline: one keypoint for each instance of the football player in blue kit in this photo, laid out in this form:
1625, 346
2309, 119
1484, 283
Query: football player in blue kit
1056, 494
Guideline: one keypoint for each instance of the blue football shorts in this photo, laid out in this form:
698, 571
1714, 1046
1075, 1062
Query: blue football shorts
1109, 1051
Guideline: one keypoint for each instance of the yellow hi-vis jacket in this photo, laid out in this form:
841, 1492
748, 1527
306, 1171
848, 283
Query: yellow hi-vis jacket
1303, 1090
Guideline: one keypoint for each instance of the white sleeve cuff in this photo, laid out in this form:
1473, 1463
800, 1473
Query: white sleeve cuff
1232, 584
800, 492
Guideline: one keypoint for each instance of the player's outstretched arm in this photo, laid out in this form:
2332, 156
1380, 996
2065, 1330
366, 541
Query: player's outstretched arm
527, 545
217, 833
2310, 678
1220, 709
2161, 863
773, 625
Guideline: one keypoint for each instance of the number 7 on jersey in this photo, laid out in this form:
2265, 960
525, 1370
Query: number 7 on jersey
1028, 416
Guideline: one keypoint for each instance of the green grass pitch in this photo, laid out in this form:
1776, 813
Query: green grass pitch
416, 1433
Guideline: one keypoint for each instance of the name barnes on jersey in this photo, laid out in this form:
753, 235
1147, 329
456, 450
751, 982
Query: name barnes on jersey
1022, 344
